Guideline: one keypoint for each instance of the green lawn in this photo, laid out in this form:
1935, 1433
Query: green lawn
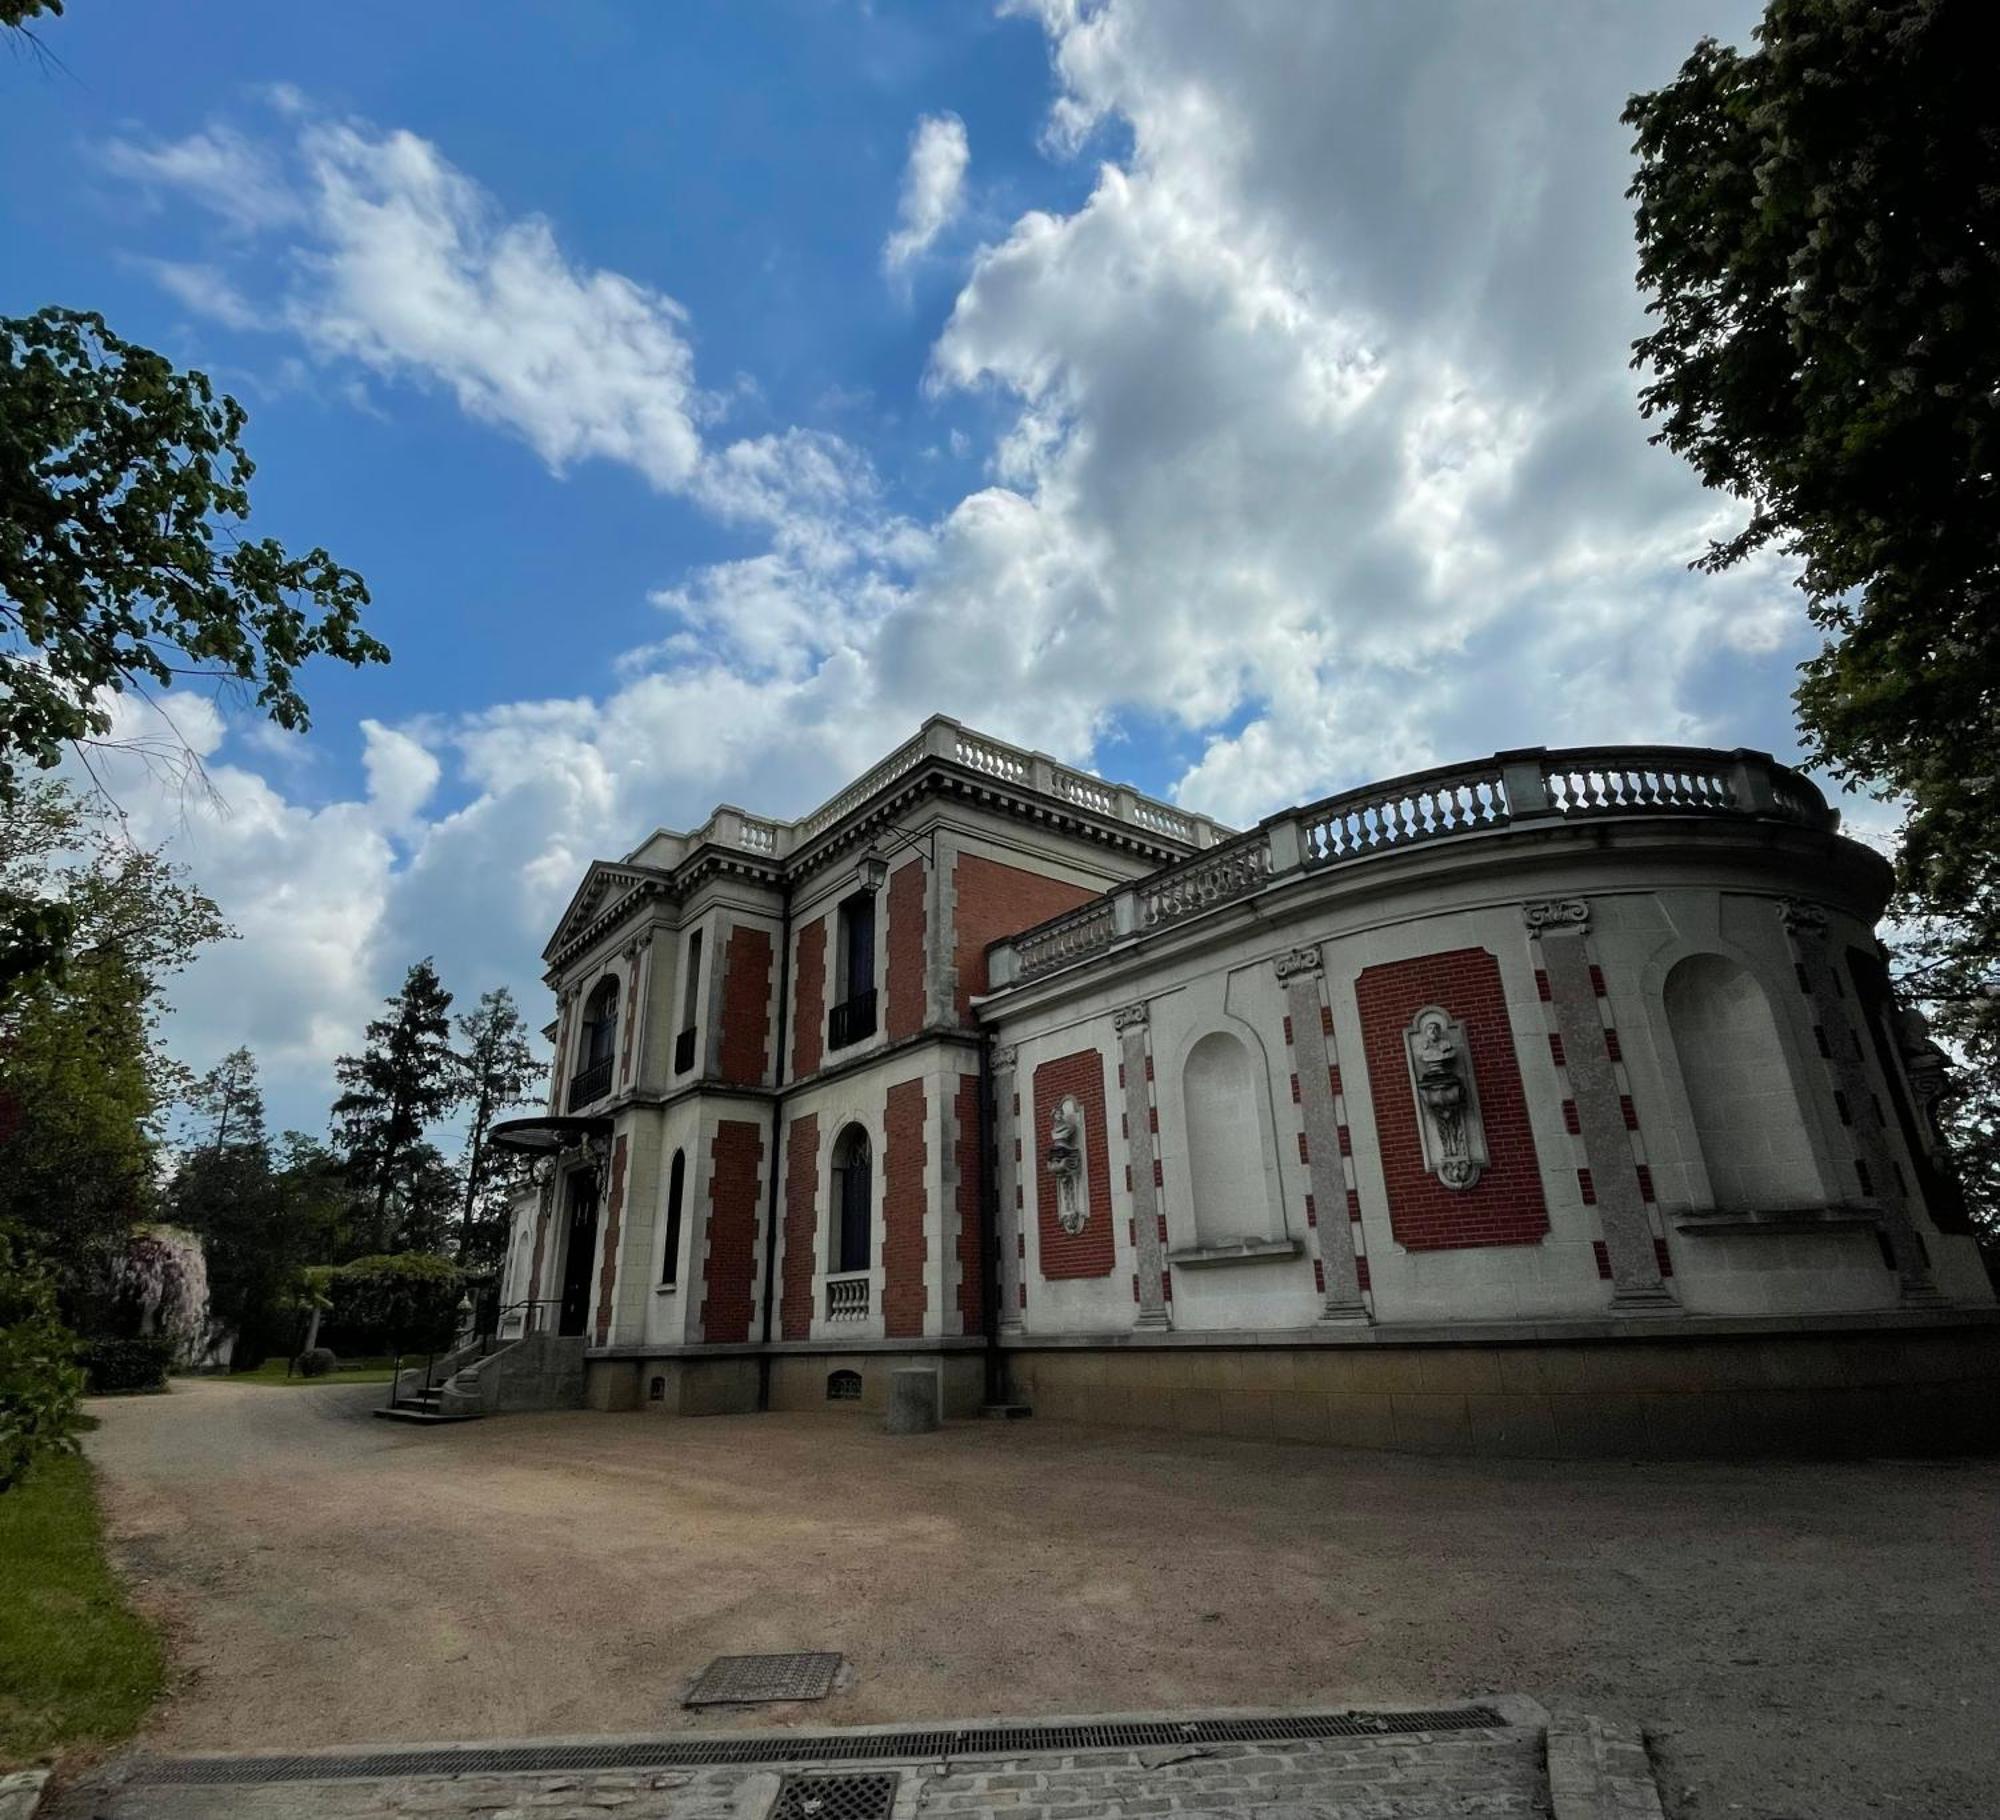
77, 1666
352, 1371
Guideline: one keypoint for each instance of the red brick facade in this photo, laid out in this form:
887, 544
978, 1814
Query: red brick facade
966, 1160
729, 1293
1506, 1207
904, 1014
746, 1007
809, 1000
607, 1272
795, 1306
990, 900
904, 1253
1093, 1251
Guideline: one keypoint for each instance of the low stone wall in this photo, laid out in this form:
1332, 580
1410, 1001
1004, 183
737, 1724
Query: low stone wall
1901, 1390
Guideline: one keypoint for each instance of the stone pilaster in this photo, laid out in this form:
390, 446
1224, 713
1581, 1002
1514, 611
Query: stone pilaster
1840, 1045
1007, 1178
1331, 1234
1561, 929
1132, 1024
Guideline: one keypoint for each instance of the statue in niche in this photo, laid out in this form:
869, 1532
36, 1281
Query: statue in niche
1447, 1099
1065, 1162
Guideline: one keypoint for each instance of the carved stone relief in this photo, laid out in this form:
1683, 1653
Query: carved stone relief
1556, 913
1064, 1157
1454, 1138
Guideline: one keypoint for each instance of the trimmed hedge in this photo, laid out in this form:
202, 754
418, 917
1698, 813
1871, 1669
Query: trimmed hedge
407, 1302
140, 1363
317, 1363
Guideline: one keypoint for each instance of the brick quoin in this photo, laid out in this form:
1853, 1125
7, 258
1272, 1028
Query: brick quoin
631, 1019
904, 1014
1093, 1251
607, 1272
746, 1007
809, 1000
735, 1159
904, 1254
1507, 1207
965, 1155
990, 901
795, 1305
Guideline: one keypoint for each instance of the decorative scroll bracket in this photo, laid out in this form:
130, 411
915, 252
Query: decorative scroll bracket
1556, 913
1064, 1157
1128, 1017
1296, 963
1447, 1096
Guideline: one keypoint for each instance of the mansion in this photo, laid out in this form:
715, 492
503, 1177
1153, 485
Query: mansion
1550, 1103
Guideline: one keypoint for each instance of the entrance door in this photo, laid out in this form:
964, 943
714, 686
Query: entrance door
581, 1257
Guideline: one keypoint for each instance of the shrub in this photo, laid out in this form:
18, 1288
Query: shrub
140, 1363
383, 1304
39, 1379
317, 1363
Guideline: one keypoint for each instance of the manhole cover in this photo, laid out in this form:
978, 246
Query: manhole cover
835, 1798
733, 1678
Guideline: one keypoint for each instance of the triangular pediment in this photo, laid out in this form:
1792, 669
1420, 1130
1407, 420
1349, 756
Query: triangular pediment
604, 886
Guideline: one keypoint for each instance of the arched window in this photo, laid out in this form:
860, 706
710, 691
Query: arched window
596, 1042
853, 1200
843, 1387
1232, 1198
670, 1263
1747, 1117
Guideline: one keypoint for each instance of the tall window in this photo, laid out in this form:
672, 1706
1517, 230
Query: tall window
684, 1043
670, 1264
853, 1200
596, 1045
853, 1016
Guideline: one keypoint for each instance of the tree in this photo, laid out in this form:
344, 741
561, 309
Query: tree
121, 480
498, 1070
404, 1079
1819, 229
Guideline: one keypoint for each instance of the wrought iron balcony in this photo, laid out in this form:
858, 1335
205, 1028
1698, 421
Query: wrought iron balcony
684, 1050
588, 1084
850, 1022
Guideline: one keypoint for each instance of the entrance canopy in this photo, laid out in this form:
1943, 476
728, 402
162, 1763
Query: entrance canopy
546, 1133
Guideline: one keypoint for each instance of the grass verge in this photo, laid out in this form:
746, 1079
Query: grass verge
355, 1371
78, 1667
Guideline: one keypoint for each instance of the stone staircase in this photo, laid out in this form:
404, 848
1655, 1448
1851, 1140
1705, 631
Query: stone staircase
537, 1371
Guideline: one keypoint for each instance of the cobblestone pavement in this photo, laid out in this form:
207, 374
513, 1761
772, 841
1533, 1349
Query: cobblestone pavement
1496, 1775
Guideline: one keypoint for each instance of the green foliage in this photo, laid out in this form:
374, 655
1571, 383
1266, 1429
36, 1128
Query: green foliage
317, 1362
407, 1301
15, 14
497, 1070
1819, 227
80, 1669
405, 1078
119, 481
138, 1363
39, 1379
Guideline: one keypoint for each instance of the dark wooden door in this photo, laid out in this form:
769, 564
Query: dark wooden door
582, 1254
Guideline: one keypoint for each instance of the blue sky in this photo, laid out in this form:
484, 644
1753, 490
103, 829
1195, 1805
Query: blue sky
1232, 397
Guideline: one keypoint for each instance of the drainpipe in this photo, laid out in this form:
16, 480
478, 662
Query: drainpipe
989, 1229
777, 1132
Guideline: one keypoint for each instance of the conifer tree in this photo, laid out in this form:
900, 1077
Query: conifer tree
498, 1070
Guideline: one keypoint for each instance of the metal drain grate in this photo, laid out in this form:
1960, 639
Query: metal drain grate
825, 1747
835, 1798
732, 1679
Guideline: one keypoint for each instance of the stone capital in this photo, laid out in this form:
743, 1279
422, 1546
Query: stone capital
1298, 962
1556, 913
1004, 1056
1800, 917
1129, 1017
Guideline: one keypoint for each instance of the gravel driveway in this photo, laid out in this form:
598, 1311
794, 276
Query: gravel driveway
1800, 1640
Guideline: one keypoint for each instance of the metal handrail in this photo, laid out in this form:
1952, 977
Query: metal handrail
483, 1336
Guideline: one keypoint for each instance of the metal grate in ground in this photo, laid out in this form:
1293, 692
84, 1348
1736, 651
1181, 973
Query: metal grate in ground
835, 1798
740, 1680
916, 1746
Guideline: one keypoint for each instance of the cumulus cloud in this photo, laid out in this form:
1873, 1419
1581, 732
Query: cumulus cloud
933, 189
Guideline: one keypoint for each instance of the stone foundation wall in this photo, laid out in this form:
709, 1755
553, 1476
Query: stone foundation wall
1895, 1392
798, 1380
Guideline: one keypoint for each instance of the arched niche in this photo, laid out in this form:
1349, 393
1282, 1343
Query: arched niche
1222, 1095
1755, 1144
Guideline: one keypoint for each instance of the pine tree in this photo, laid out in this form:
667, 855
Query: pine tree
404, 1078
498, 1070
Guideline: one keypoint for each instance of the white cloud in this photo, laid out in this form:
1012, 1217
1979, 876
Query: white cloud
206, 291
219, 167
933, 189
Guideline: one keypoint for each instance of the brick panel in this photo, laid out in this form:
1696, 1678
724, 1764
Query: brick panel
729, 1288
631, 1020
903, 1015
1507, 1207
966, 1158
745, 1051
1093, 1251
904, 1253
607, 1271
795, 1306
991, 900
809, 1000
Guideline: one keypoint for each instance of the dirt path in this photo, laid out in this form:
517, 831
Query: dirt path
1802, 1640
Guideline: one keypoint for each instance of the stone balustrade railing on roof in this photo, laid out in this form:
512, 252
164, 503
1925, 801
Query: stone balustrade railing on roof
1451, 802
944, 738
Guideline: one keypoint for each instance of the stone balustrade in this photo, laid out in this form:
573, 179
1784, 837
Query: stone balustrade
1463, 801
